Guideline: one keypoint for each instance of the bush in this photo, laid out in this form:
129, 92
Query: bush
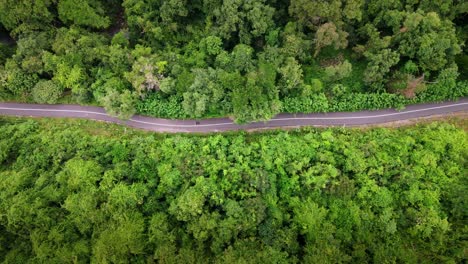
362, 101
310, 104
46, 92
20, 82
119, 104
345, 103
445, 87
157, 105
337, 72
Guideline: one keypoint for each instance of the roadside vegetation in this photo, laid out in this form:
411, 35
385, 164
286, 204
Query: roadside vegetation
77, 191
246, 59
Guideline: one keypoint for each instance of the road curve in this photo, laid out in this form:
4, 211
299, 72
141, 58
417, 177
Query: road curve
225, 124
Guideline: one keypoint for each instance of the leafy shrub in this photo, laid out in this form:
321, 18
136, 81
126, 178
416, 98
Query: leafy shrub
337, 72
46, 92
309, 104
119, 104
21, 83
157, 105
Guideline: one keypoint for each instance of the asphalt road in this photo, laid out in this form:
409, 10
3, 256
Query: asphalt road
225, 124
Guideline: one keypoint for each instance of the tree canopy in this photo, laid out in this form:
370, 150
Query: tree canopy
177, 55
79, 192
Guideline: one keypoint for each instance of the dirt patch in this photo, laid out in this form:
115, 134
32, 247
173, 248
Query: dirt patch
414, 85
118, 22
5, 38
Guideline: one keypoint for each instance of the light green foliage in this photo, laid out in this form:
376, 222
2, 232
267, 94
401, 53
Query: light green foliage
353, 10
46, 92
116, 59
274, 56
121, 240
379, 66
291, 76
70, 191
337, 72
204, 93
71, 77
83, 13
327, 35
339, 90
315, 86
446, 83
74, 52
167, 85
79, 45
120, 39
105, 81
147, 71
25, 15
242, 59
19, 82
79, 174
410, 67
211, 45
119, 104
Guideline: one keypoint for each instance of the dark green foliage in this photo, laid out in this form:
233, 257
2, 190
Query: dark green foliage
70, 192
188, 52
5, 52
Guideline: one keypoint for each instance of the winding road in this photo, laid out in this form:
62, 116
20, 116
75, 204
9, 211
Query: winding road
225, 124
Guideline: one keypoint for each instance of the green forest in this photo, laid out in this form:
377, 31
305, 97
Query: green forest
246, 59
81, 192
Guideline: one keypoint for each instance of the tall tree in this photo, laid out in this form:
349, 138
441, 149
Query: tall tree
327, 35
243, 19
204, 94
119, 104
147, 71
259, 99
89, 13
26, 15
